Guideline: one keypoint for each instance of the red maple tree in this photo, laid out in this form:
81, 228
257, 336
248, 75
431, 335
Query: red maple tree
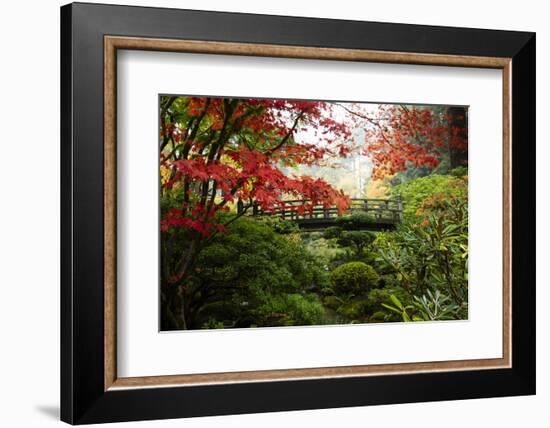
399, 137
219, 151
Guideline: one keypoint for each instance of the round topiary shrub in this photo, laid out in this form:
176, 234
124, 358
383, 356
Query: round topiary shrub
354, 277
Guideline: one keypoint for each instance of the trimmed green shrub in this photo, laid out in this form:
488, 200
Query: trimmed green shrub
354, 278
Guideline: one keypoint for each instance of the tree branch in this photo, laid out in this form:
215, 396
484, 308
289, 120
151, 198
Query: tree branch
371, 121
269, 152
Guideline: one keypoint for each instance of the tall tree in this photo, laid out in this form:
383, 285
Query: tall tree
458, 136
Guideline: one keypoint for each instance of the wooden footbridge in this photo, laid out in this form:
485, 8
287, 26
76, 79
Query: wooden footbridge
381, 214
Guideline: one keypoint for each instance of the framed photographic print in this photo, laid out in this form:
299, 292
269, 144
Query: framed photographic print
266, 213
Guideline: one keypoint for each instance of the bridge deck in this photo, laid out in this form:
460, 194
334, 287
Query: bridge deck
381, 214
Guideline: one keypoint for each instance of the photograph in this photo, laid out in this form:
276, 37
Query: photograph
290, 212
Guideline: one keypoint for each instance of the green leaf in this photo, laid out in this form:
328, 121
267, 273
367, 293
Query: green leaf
391, 308
396, 301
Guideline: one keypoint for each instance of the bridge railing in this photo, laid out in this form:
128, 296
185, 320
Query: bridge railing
381, 210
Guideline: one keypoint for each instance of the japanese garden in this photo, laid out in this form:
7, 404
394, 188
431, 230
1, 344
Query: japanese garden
282, 212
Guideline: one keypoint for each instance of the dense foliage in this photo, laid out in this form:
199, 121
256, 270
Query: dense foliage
428, 255
416, 192
252, 276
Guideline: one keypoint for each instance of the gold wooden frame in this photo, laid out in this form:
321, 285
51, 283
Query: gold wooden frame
113, 43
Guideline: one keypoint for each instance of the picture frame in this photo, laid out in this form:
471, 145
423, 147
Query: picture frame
91, 391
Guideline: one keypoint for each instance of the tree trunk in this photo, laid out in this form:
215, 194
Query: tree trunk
458, 136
